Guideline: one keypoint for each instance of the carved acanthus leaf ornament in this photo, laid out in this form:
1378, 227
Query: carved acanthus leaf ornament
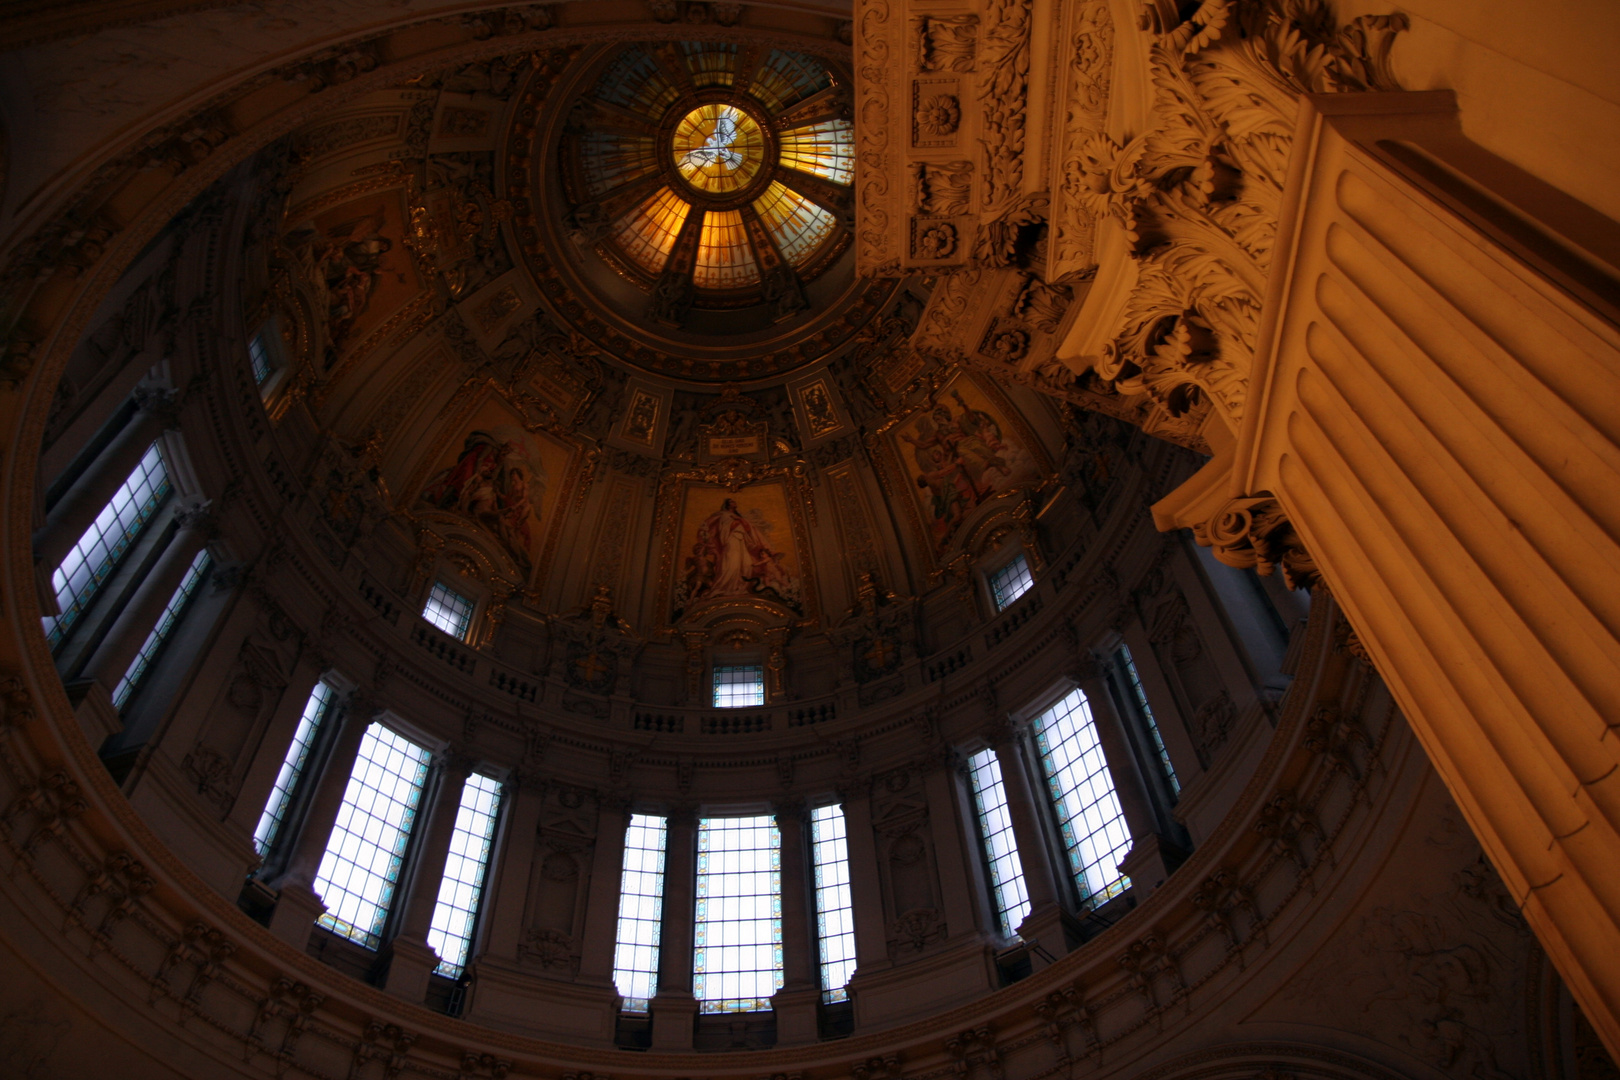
1198, 194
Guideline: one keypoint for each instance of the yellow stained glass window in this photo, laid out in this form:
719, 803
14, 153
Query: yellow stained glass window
648, 232
786, 78
797, 224
724, 259
826, 150
719, 148
711, 63
610, 159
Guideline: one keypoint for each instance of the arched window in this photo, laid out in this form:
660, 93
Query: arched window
98, 553
1095, 836
737, 954
153, 645
1000, 847
461, 888
641, 911
835, 914
360, 870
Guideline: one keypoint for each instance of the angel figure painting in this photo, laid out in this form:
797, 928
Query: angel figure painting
736, 547
354, 254
959, 453
498, 479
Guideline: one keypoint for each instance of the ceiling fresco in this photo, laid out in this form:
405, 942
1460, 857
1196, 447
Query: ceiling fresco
584, 323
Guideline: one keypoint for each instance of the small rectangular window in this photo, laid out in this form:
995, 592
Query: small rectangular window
641, 912
105, 543
364, 854
1082, 789
292, 767
448, 610
739, 687
259, 358
1000, 846
1129, 667
160, 633
835, 910
737, 953
462, 886
1010, 582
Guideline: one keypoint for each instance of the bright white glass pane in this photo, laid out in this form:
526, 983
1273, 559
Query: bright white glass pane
641, 909
1129, 666
1000, 847
464, 868
104, 544
448, 610
361, 866
1082, 789
739, 687
737, 947
166, 623
835, 922
1011, 582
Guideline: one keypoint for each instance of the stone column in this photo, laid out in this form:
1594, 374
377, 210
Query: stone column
1145, 863
1043, 927
674, 1009
298, 906
510, 890
84, 500
865, 884
1431, 430
795, 1004
130, 630
412, 959
260, 777
944, 820
600, 936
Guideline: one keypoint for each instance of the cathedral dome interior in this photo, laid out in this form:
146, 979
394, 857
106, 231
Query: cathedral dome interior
876, 540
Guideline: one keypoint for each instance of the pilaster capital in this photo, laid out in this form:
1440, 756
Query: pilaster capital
682, 814
456, 762
1087, 668
199, 518
160, 402
791, 810
1254, 532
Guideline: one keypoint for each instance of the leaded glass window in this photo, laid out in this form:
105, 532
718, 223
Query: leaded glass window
690, 138
826, 150
737, 953
1000, 846
1011, 581
835, 914
366, 850
105, 543
641, 912
1095, 835
259, 358
1139, 695
724, 259
739, 686
159, 636
448, 610
316, 710
465, 867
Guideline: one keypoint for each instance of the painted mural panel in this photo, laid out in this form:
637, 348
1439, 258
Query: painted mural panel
355, 253
736, 545
957, 453
502, 477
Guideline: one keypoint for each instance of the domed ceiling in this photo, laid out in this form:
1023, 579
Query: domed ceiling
581, 327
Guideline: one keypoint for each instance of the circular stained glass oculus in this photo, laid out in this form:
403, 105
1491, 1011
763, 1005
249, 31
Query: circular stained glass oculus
715, 164
719, 148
